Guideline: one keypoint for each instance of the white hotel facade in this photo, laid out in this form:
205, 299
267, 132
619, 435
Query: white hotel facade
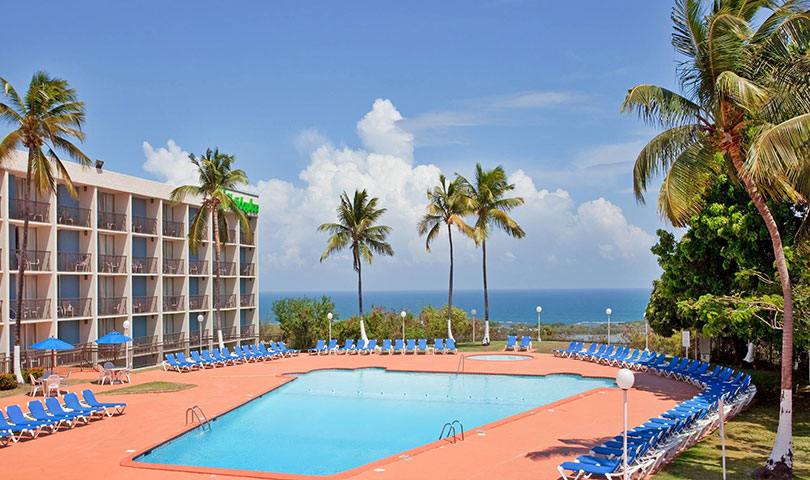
119, 252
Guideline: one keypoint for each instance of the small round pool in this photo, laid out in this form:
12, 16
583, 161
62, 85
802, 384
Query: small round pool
500, 357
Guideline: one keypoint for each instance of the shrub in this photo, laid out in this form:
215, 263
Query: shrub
35, 372
7, 381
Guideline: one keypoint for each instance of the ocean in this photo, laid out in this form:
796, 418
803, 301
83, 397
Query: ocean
505, 306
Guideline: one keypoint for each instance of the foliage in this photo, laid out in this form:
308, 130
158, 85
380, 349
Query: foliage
303, 320
8, 381
35, 372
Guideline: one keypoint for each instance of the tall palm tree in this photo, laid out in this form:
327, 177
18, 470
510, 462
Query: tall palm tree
356, 230
49, 115
488, 204
446, 207
744, 112
216, 174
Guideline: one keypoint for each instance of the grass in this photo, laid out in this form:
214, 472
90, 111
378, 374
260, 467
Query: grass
24, 389
150, 387
498, 346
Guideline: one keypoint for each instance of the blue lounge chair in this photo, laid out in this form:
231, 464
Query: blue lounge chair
237, 354
410, 346
181, 359
72, 402
37, 410
558, 352
511, 343
525, 344
206, 354
347, 347
248, 353
267, 352
287, 351
258, 353
450, 346
90, 399
578, 346
172, 363
386, 346
421, 346
610, 350
56, 409
320, 346
17, 417
370, 347
359, 346
274, 348
399, 346
591, 350
222, 357
195, 355
438, 346
20, 429
332, 347
600, 349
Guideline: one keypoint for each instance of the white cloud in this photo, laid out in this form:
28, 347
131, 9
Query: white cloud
170, 164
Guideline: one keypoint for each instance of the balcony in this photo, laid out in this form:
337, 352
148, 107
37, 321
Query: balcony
172, 229
173, 303
245, 241
247, 269
173, 341
144, 225
144, 264
196, 339
73, 262
198, 267
73, 307
36, 260
37, 211
73, 216
32, 309
224, 301
145, 345
173, 266
112, 221
112, 306
227, 269
144, 305
231, 236
198, 302
247, 300
112, 264
247, 331
230, 333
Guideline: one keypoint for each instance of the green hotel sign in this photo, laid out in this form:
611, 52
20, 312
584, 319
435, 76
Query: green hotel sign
247, 206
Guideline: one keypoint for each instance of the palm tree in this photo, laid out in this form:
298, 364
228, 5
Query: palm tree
446, 206
356, 230
743, 113
216, 175
487, 203
49, 115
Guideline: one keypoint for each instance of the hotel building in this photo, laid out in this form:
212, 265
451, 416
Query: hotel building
119, 252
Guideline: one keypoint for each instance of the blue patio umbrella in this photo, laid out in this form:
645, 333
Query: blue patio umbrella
113, 338
52, 344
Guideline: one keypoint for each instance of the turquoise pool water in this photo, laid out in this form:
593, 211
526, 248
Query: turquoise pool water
500, 357
328, 421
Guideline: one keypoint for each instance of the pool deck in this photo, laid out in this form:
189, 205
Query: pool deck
526, 446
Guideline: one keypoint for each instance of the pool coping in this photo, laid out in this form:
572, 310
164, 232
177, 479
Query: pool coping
129, 461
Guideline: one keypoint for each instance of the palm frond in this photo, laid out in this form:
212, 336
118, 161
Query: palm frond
740, 91
779, 148
659, 106
692, 172
659, 153
198, 230
10, 143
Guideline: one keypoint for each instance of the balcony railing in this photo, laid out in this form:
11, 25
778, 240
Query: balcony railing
36, 260
73, 307
112, 306
173, 341
227, 269
32, 309
197, 302
144, 225
173, 266
230, 333
245, 241
225, 301
145, 345
247, 269
172, 229
196, 339
198, 267
112, 221
73, 262
144, 264
144, 304
37, 211
112, 263
247, 331
231, 236
173, 303
75, 216
246, 300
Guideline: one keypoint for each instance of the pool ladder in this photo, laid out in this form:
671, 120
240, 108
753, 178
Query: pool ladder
195, 412
460, 367
450, 428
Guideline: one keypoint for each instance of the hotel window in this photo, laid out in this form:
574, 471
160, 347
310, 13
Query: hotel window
106, 202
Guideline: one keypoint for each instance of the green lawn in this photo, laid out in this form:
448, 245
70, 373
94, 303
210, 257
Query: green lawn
498, 346
150, 387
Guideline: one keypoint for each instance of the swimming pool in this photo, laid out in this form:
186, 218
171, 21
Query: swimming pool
500, 357
329, 421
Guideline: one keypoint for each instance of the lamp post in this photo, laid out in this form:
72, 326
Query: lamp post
608, 311
539, 309
646, 334
126, 347
403, 315
329, 317
200, 325
625, 380
472, 312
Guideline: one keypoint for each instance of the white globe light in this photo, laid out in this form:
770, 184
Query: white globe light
625, 379
539, 309
329, 315
473, 312
403, 314
126, 324
200, 318
608, 311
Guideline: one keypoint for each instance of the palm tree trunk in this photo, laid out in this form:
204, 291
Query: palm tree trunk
485, 340
360, 301
782, 452
22, 262
450, 291
217, 279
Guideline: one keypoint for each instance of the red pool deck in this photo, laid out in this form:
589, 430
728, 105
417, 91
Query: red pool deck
526, 446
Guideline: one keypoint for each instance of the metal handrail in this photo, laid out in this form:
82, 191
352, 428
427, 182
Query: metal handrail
450, 427
460, 367
460, 426
191, 414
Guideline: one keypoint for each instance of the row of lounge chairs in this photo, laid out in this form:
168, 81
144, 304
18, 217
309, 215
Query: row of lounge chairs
220, 358
524, 346
657, 441
52, 415
411, 345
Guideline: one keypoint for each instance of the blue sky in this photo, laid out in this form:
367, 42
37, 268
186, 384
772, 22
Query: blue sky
533, 85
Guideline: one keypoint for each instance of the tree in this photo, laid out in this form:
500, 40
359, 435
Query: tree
216, 174
357, 231
49, 115
303, 320
743, 112
446, 207
487, 203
